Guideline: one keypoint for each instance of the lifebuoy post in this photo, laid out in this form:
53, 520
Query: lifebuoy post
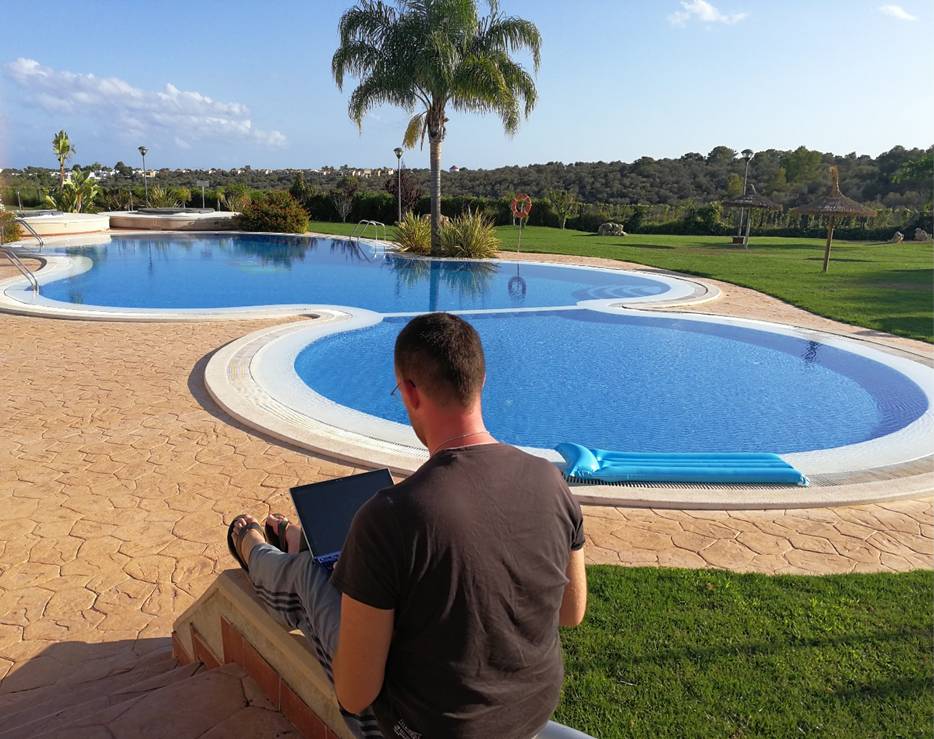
521, 207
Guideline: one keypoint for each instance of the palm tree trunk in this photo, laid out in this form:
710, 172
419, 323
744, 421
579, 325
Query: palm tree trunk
434, 145
61, 173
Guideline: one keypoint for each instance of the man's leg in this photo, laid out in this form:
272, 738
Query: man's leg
298, 592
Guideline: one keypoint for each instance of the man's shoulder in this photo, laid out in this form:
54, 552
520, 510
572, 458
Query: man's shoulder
479, 464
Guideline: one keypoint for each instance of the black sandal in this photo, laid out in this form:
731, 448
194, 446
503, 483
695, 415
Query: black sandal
234, 547
276, 536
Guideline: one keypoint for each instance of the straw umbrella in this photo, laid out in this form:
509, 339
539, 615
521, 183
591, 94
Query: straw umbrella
750, 201
834, 207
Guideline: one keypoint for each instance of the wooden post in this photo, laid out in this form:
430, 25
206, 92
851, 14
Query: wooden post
830, 226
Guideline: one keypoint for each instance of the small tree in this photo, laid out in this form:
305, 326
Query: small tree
406, 182
299, 188
734, 185
564, 203
343, 196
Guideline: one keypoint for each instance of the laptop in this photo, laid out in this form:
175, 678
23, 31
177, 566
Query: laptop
326, 510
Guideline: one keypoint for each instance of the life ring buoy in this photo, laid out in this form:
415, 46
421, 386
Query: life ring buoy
521, 206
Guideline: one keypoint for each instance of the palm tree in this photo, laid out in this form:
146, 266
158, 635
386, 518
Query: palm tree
427, 55
64, 151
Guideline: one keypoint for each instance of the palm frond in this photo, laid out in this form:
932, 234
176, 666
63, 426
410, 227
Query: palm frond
510, 34
415, 131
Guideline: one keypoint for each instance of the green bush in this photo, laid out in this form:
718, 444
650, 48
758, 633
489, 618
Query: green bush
275, 212
414, 234
469, 236
160, 197
9, 227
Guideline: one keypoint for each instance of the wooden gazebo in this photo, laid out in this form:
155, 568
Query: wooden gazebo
750, 201
834, 207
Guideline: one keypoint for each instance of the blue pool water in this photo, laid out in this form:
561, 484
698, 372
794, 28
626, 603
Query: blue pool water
651, 384
250, 270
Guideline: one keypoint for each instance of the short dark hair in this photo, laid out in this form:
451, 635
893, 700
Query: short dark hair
443, 356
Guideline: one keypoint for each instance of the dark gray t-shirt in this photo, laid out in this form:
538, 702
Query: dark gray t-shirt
471, 551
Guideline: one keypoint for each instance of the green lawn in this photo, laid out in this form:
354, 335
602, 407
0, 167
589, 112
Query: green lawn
878, 286
713, 654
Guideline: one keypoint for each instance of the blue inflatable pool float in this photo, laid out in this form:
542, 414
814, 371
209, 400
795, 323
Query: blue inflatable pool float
598, 465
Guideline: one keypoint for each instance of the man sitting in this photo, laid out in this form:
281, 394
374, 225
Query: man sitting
441, 618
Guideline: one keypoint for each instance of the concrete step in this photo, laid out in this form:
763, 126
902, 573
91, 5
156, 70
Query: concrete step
61, 720
77, 685
211, 704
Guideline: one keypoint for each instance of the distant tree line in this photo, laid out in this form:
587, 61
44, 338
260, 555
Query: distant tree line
660, 195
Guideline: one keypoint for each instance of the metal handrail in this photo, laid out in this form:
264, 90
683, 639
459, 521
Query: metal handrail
23, 222
377, 225
18, 263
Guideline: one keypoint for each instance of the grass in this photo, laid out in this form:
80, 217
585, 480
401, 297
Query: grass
878, 286
713, 654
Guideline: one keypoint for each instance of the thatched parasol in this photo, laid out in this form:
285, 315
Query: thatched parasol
834, 207
750, 201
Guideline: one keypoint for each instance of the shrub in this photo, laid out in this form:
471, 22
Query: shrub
414, 233
9, 227
160, 197
469, 235
77, 195
275, 211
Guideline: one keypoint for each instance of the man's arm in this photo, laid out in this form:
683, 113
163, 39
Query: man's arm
362, 649
574, 603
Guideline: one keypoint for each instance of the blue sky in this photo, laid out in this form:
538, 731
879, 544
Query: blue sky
235, 82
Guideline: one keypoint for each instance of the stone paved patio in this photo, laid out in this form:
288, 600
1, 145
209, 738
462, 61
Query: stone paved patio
118, 476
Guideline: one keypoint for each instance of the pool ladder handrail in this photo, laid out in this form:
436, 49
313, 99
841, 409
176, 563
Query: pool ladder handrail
25, 224
377, 225
18, 263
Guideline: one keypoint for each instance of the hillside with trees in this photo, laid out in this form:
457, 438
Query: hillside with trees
676, 194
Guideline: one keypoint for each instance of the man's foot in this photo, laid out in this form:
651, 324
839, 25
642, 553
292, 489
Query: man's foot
245, 533
293, 532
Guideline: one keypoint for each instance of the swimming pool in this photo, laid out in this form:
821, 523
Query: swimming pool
218, 272
640, 383
570, 356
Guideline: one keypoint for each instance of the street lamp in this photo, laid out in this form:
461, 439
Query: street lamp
398, 153
747, 155
143, 151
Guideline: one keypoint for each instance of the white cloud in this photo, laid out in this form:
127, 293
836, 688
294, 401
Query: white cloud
897, 11
704, 12
184, 115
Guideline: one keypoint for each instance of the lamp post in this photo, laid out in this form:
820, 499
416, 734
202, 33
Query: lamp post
747, 155
398, 153
143, 151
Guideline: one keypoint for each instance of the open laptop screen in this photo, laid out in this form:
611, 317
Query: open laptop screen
326, 509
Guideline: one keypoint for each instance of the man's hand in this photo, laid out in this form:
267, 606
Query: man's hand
362, 649
574, 603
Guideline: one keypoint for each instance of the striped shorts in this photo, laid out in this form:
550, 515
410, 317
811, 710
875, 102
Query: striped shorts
298, 593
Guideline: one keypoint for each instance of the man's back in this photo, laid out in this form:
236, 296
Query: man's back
471, 552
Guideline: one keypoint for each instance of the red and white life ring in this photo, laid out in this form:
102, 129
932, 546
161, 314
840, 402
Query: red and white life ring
521, 206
